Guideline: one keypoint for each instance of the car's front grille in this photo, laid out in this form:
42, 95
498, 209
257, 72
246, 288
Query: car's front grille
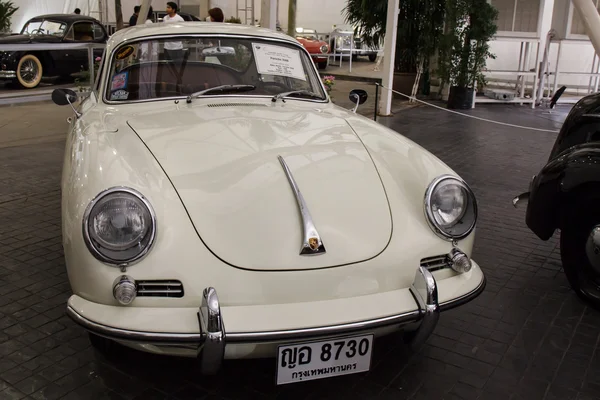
165, 288
436, 262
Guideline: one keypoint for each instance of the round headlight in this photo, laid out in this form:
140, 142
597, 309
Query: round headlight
450, 207
324, 48
119, 226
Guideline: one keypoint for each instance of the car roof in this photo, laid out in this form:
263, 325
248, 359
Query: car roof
194, 27
65, 17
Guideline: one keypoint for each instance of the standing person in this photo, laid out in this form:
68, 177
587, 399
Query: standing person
134, 16
216, 14
173, 50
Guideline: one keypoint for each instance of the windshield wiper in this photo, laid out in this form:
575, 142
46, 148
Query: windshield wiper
222, 88
304, 93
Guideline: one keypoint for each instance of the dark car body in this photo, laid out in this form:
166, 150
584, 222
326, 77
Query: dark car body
573, 164
63, 28
565, 194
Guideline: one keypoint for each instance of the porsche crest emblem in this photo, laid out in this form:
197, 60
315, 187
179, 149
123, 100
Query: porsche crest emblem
313, 242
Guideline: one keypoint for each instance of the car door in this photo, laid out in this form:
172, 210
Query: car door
77, 60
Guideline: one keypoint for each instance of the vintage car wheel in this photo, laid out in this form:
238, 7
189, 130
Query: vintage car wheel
580, 248
372, 57
29, 71
323, 64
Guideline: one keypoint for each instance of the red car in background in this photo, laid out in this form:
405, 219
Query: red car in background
317, 49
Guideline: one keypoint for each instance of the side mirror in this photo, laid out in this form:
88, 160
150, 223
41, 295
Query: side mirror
62, 97
358, 96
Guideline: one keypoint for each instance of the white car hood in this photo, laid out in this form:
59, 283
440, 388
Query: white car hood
223, 163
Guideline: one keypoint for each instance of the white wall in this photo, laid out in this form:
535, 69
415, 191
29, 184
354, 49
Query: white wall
312, 14
30, 8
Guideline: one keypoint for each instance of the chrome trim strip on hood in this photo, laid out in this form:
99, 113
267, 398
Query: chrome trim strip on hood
311, 243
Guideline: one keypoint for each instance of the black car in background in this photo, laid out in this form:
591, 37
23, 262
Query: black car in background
26, 67
565, 195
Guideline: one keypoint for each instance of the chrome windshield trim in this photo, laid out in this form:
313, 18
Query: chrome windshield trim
311, 242
106, 71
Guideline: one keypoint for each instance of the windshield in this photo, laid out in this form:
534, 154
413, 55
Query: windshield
45, 27
181, 66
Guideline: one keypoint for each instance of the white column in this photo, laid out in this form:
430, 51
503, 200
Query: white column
389, 54
143, 15
544, 25
591, 20
268, 14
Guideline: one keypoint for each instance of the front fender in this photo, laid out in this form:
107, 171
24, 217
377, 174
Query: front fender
552, 189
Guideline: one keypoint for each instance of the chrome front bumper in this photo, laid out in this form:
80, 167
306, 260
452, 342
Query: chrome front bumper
8, 74
212, 338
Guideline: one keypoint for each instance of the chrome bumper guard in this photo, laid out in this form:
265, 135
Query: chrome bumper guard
8, 74
212, 338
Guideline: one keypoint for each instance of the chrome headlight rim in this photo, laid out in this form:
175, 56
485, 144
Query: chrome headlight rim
324, 49
89, 242
472, 202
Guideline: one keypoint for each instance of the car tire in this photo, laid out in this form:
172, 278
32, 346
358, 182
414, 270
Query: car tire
323, 64
372, 57
580, 217
29, 71
104, 346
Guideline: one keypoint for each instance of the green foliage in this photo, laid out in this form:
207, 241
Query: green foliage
7, 10
234, 20
369, 17
420, 24
420, 27
464, 48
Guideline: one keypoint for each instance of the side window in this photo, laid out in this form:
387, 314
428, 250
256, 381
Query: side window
98, 32
83, 31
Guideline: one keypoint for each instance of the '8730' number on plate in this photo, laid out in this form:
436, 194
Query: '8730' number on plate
323, 359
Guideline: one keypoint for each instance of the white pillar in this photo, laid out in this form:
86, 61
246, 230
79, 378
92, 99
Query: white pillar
591, 20
143, 15
268, 14
544, 25
389, 54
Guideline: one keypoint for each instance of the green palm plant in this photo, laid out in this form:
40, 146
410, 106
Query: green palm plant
420, 28
7, 9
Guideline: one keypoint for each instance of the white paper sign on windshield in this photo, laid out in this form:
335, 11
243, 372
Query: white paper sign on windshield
278, 60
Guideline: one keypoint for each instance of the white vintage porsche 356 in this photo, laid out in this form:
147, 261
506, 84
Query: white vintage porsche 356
216, 204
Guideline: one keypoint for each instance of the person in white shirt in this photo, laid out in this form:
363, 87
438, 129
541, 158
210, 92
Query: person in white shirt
173, 50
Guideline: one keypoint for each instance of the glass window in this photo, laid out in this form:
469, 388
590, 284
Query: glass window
517, 15
180, 66
45, 27
81, 32
98, 32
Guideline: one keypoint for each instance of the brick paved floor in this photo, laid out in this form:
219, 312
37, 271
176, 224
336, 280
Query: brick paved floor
526, 337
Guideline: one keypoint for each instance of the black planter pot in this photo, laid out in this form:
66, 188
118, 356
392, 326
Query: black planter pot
460, 98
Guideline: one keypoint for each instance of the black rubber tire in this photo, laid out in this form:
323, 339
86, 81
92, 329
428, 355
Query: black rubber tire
372, 57
580, 216
323, 64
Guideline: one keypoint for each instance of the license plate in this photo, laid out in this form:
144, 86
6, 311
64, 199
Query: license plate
323, 359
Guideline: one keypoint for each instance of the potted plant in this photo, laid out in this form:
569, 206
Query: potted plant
464, 49
7, 9
420, 24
